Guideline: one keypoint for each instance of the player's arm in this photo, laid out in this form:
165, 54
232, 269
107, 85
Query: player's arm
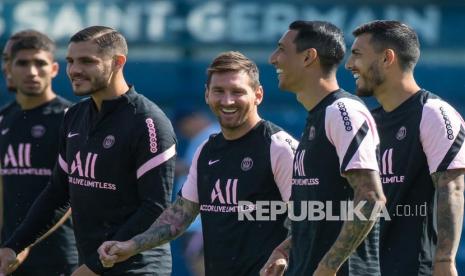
450, 188
40, 217
169, 225
351, 129
367, 191
154, 152
442, 132
278, 260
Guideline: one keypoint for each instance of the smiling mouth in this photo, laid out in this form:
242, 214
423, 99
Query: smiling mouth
228, 111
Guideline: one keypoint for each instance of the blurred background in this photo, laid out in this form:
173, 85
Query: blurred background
172, 42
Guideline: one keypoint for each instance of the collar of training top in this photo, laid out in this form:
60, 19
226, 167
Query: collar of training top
111, 104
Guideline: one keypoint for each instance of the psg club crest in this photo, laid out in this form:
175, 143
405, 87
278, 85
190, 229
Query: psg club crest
401, 133
37, 131
246, 164
109, 141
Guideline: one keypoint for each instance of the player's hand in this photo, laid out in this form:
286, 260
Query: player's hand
20, 258
444, 269
83, 270
112, 252
8, 262
323, 270
275, 266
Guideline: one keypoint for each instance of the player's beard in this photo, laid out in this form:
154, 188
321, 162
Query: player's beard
372, 80
243, 114
98, 83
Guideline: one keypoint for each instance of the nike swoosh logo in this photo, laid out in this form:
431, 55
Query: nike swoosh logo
5, 131
72, 134
211, 162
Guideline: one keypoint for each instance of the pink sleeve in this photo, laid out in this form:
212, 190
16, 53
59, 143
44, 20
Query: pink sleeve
189, 188
442, 135
282, 151
352, 130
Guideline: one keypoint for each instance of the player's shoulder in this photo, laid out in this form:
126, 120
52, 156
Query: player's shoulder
8, 107
433, 103
58, 105
147, 114
345, 101
278, 137
347, 107
144, 107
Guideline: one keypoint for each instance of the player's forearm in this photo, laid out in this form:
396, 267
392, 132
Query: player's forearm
450, 188
367, 192
171, 223
285, 247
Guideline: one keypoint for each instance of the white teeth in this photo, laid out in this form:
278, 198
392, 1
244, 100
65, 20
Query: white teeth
228, 110
279, 71
356, 76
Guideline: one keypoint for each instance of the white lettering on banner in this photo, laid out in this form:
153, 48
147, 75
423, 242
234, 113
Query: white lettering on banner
209, 22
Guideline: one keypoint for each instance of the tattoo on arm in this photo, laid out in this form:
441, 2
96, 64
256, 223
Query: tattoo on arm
367, 188
449, 191
170, 224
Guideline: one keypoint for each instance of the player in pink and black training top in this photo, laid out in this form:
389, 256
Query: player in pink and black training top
29, 128
250, 160
422, 153
336, 161
115, 164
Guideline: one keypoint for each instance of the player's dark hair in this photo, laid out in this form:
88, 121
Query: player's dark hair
109, 40
234, 62
324, 37
31, 40
391, 34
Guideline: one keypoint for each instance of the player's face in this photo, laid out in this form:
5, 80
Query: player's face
88, 69
288, 62
32, 72
6, 65
233, 101
366, 66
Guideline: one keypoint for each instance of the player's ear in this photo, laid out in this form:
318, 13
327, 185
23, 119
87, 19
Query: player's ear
258, 95
55, 69
119, 61
389, 57
310, 56
206, 94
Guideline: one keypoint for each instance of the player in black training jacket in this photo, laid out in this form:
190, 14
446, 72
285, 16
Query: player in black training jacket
335, 162
115, 164
29, 128
422, 153
250, 160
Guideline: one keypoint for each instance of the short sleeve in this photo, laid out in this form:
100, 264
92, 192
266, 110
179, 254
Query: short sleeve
189, 188
441, 135
282, 150
352, 130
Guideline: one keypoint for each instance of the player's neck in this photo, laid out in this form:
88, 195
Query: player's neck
116, 88
316, 90
392, 94
27, 102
